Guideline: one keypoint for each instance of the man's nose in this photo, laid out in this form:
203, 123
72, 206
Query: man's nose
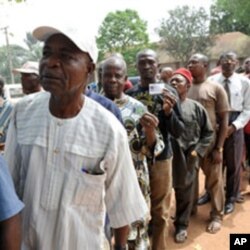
53, 60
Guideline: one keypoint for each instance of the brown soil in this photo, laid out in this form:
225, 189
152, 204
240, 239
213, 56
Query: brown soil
199, 239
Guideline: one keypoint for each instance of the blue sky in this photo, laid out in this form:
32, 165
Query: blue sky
22, 18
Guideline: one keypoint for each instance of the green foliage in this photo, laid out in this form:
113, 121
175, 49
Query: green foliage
17, 1
184, 32
34, 46
230, 15
19, 56
123, 32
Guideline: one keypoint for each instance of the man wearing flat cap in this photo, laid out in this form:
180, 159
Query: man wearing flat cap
72, 162
188, 149
29, 77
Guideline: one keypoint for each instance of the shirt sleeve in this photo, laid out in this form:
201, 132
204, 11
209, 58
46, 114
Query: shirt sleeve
244, 116
10, 205
124, 200
11, 149
206, 135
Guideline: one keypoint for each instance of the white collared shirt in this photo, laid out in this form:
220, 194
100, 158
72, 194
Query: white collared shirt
239, 87
69, 173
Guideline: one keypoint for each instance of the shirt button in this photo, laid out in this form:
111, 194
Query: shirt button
59, 123
56, 151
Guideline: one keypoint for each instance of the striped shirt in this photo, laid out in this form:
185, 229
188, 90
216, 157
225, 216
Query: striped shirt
5, 111
69, 173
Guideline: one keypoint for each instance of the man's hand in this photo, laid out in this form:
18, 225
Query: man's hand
230, 130
149, 121
217, 156
121, 236
169, 100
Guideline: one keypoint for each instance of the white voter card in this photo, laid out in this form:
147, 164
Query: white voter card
156, 88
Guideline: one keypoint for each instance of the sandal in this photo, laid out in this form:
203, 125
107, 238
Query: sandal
214, 226
180, 235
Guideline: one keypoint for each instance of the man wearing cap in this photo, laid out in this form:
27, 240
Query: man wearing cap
214, 99
72, 162
29, 77
188, 149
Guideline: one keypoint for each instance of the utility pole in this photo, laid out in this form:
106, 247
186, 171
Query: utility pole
9, 57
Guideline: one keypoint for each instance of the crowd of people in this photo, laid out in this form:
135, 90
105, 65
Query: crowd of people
93, 166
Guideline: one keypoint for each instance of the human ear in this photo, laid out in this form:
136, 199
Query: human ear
91, 68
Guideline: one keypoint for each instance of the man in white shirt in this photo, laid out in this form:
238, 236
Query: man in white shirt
69, 157
238, 91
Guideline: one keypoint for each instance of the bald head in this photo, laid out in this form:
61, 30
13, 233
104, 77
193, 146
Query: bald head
115, 61
166, 73
146, 52
147, 66
114, 77
201, 58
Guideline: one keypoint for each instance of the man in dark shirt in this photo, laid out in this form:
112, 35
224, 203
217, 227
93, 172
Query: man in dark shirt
188, 149
166, 107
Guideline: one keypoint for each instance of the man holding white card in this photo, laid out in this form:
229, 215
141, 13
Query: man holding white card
164, 103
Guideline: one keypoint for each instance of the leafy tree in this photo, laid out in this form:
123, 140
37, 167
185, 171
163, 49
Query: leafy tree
123, 32
18, 55
17, 1
230, 15
35, 48
185, 32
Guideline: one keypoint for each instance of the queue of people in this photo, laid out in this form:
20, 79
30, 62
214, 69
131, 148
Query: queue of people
96, 170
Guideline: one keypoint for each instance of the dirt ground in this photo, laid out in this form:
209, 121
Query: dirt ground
199, 239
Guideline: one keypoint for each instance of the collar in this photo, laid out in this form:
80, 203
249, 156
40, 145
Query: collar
121, 101
229, 78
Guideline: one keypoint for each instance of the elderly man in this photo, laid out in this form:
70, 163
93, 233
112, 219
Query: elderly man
238, 91
145, 142
188, 149
10, 207
214, 98
69, 156
29, 77
166, 107
246, 66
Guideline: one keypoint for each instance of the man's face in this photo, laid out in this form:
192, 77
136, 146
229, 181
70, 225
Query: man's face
228, 64
64, 68
179, 82
113, 80
166, 75
147, 66
247, 65
30, 83
196, 66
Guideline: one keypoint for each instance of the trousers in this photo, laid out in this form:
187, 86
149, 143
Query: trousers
233, 150
160, 174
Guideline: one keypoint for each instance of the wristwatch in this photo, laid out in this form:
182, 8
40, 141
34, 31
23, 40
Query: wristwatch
219, 149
